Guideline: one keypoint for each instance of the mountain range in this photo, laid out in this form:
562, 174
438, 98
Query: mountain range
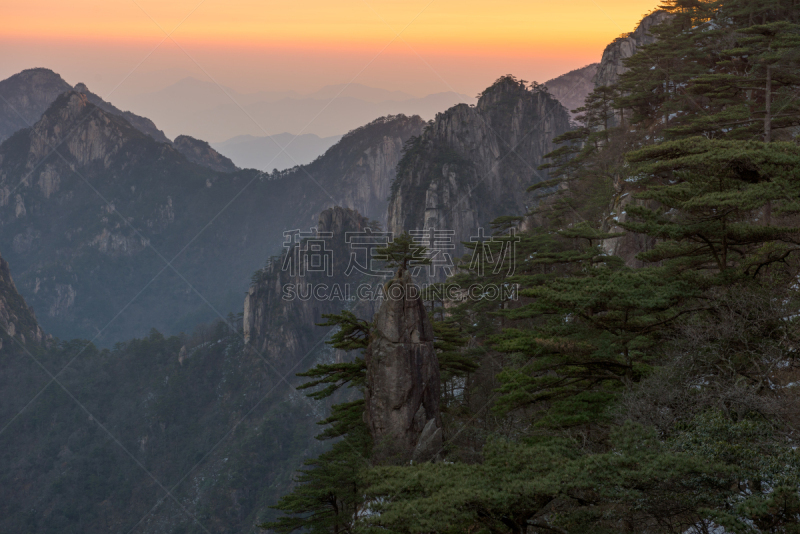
280, 151
99, 218
216, 113
115, 235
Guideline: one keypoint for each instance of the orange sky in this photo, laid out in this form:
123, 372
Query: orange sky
305, 44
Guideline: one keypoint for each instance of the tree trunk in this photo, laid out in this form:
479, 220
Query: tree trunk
768, 104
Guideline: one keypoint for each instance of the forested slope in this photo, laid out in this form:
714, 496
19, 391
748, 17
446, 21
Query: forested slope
644, 387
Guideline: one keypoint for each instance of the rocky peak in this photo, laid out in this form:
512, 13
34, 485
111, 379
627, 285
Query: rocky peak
504, 89
25, 96
402, 395
612, 64
89, 134
143, 124
474, 164
357, 172
200, 152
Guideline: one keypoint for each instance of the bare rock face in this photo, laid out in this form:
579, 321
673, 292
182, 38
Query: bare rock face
143, 124
612, 66
371, 177
18, 325
631, 244
25, 96
358, 171
474, 164
279, 324
402, 397
99, 139
572, 88
200, 152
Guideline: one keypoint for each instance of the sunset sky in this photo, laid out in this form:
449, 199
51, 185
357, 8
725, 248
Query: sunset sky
120, 47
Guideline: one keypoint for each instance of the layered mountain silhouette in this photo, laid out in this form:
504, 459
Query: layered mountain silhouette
280, 151
111, 230
24, 97
216, 113
101, 219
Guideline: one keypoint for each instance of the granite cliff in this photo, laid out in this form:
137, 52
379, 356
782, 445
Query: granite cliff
25, 96
473, 164
612, 66
100, 219
612, 63
358, 171
403, 382
279, 323
200, 152
18, 325
572, 88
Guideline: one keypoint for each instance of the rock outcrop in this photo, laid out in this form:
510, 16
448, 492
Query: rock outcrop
200, 152
402, 394
18, 325
99, 138
90, 225
25, 96
572, 88
474, 164
358, 171
612, 64
281, 308
28, 94
143, 124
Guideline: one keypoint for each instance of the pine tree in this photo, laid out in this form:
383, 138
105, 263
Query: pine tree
589, 329
699, 132
329, 497
713, 192
403, 252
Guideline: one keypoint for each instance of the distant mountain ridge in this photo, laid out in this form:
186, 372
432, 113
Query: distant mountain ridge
205, 110
281, 151
90, 228
142, 124
25, 96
